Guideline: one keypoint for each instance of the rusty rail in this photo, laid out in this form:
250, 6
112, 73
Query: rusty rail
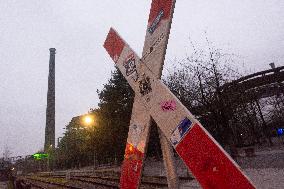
105, 181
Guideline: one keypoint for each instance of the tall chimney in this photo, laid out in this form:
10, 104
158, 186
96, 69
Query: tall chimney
50, 107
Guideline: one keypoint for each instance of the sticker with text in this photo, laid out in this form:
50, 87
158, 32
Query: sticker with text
130, 67
156, 21
180, 131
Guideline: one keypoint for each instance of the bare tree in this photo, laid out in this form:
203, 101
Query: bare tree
7, 153
196, 81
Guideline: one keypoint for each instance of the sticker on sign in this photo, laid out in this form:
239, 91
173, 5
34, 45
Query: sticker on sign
180, 131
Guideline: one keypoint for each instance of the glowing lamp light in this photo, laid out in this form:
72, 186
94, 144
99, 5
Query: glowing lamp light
39, 156
88, 120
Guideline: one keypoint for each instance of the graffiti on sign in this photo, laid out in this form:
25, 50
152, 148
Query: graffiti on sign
156, 21
180, 131
134, 76
129, 64
130, 67
145, 85
169, 105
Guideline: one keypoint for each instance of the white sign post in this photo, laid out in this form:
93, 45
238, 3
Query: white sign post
153, 55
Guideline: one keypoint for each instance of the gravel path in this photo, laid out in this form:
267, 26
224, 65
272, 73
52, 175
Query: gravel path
269, 178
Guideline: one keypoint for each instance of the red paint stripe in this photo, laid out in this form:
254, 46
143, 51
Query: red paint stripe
131, 168
208, 163
114, 44
157, 6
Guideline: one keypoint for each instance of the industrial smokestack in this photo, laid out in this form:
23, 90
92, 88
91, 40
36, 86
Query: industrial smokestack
50, 107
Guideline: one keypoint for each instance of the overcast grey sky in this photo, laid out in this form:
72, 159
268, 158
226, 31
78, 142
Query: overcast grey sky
252, 29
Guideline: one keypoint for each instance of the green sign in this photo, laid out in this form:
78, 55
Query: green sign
39, 156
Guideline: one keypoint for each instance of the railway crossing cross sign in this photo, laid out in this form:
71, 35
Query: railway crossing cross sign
209, 163
153, 55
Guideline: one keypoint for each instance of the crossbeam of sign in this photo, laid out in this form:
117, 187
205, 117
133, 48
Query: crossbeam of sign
209, 163
153, 55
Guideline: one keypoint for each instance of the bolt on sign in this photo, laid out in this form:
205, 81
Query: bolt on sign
208, 162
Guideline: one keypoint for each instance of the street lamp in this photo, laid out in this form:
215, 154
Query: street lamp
89, 121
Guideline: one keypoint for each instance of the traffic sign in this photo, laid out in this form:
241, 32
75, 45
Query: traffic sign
209, 163
153, 55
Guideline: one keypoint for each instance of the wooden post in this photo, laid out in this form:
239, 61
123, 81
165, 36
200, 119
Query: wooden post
153, 56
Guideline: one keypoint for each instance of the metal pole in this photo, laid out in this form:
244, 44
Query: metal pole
94, 147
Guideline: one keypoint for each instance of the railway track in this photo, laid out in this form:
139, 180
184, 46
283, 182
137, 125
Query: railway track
88, 181
73, 183
44, 183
